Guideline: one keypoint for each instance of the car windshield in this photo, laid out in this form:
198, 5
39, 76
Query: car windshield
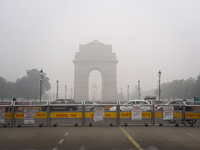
88, 102
175, 102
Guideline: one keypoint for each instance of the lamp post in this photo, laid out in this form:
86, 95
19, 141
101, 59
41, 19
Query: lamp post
41, 74
71, 93
121, 93
139, 89
65, 91
159, 75
57, 90
128, 92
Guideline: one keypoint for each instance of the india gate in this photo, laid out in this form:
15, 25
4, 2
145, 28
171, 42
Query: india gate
95, 56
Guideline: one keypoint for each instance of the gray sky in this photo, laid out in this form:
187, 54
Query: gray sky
147, 36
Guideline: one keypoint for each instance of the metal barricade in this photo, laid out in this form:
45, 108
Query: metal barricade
5, 113
109, 117
192, 114
145, 116
175, 111
65, 113
30, 113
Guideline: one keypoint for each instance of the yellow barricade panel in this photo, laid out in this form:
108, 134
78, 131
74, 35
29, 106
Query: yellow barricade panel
128, 114
106, 115
178, 115
158, 114
89, 115
8, 115
192, 115
110, 115
146, 115
65, 115
41, 115
37, 115
125, 114
19, 115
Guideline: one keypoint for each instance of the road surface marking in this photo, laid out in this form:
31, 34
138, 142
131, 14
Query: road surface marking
55, 148
190, 135
66, 133
131, 139
60, 141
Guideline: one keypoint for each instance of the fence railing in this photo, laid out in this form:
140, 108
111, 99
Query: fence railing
99, 113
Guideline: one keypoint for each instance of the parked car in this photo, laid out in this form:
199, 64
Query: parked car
178, 104
155, 102
145, 105
60, 105
88, 107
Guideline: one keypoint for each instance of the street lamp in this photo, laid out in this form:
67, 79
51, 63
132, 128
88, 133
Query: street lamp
121, 93
128, 92
57, 90
71, 93
159, 75
65, 91
41, 74
139, 89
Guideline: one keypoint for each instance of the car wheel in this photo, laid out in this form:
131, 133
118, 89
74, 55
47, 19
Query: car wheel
172, 121
191, 121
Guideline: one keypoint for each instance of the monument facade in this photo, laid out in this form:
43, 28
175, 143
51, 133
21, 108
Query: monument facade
95, 56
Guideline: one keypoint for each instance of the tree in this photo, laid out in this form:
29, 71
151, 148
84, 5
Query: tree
28, 87
184, 89
4, 89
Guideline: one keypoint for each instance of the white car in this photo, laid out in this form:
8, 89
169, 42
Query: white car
88, 107
128, 105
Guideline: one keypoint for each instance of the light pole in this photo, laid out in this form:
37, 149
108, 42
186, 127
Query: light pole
128, 92
121, 93
41, 74
71, 93
65, 91
57, 90
139, 89
159, 75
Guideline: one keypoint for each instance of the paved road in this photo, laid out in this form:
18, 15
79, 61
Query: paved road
100, 138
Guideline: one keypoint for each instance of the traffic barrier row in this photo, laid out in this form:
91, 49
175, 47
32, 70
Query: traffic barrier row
47, 114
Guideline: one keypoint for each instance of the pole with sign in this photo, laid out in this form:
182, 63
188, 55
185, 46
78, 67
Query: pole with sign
29, 115
98, 114
136, 113
168, 112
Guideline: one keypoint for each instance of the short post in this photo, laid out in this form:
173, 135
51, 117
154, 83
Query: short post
118, 114
83, 114
153, 115
13, 114
48, 114
159, 75
184, 112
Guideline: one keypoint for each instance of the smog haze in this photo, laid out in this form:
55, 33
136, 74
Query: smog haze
146, 36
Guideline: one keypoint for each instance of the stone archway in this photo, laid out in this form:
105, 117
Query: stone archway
95, 56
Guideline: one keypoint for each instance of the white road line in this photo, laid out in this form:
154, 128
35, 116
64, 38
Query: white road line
190, 135
60, 141
66, 133
55, 148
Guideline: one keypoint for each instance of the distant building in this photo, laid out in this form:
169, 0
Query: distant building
95, 56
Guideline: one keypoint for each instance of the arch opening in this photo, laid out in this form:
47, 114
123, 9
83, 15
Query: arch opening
95, 85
